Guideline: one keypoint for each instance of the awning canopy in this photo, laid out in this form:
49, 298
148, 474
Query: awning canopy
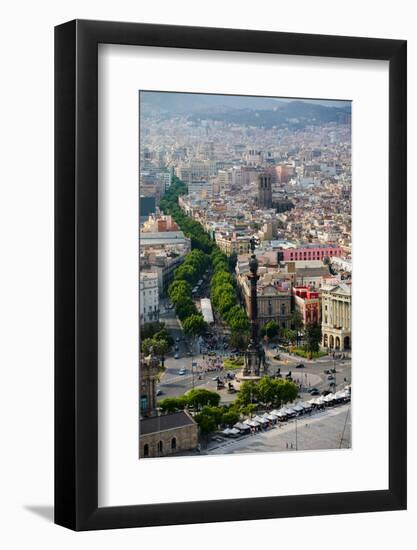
241, 426
252, 423
260, 420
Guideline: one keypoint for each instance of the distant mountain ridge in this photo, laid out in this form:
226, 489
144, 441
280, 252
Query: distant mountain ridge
185, 103
248, 110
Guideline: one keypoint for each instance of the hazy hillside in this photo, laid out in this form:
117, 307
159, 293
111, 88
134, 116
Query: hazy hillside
250, 111
183, 103
295, 114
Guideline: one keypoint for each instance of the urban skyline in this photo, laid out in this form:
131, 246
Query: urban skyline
245, 274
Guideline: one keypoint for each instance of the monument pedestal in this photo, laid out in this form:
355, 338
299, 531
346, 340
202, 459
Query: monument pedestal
254, 366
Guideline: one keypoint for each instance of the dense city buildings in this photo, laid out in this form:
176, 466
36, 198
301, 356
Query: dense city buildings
262, 188
162, 249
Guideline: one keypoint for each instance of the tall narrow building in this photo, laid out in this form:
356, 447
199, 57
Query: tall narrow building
264, 191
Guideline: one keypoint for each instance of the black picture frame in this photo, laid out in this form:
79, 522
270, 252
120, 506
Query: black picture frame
76, 272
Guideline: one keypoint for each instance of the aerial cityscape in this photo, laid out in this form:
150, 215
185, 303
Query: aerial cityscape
245, 283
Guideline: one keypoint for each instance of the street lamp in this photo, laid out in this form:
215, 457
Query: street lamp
296, 435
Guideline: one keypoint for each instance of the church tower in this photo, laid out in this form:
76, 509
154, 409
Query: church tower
148, 373
264, 191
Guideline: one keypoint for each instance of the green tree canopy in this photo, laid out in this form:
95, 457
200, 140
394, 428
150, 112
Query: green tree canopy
222, 277
149, 329
195, 325
172, 404
270, 329
312, 338
187, 273
163, 334
239, 339
185, 308
179, 287
268, 391
296, 320
237, 320
160, 347
206, 423
230, 418
199, 397
289, 334
215, 412
146, 345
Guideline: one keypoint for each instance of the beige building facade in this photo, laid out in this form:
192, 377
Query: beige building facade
167, 435
273, 298
337, 316
232, 244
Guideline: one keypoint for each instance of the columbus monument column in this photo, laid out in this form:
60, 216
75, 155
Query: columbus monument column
254, 359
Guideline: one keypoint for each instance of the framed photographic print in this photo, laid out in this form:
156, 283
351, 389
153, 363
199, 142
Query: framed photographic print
230, 275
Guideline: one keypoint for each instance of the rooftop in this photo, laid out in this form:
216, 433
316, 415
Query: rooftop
165, 422
312, 271
162, 235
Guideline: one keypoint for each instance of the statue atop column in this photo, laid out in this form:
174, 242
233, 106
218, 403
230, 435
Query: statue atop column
254, 360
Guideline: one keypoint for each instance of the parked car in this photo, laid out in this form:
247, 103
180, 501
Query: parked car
181, 372
176, 348
177, 356
327, 371
315, 392
299, 366
159, 392
330, 377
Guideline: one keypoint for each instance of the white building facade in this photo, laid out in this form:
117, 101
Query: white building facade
336, 311
149, 297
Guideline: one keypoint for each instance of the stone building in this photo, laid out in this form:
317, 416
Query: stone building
337, 316
148, 373
161, 435
167, 435
274, 303
273, 297
264, 191
232, 243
